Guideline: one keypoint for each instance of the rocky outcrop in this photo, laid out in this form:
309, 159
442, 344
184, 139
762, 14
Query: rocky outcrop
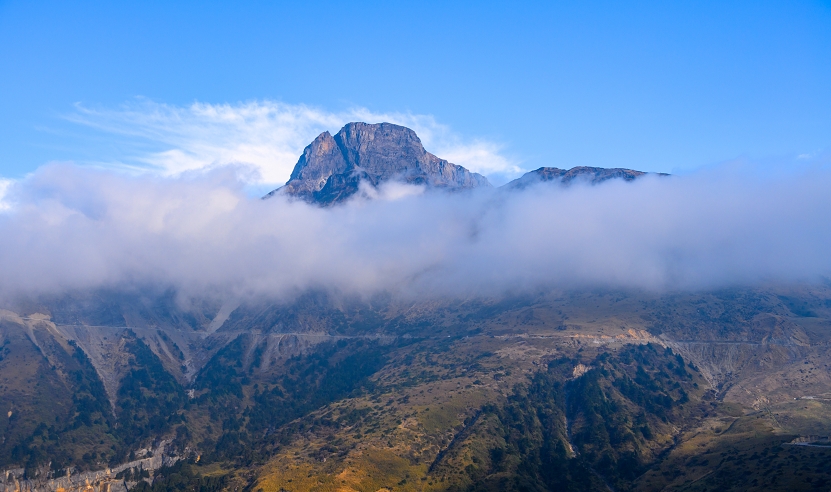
593, 175
332, 169
109, 479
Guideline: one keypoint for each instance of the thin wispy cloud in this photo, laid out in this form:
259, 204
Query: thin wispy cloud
266, 136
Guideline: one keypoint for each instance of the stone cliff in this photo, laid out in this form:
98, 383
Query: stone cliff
332, 168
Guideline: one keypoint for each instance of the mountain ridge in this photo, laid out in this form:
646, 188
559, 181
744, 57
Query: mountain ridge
592, 175
332, 168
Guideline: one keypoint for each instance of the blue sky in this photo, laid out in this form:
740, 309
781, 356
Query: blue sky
656, 86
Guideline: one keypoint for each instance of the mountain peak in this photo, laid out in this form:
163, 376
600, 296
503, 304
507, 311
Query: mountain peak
593, 175
331, 168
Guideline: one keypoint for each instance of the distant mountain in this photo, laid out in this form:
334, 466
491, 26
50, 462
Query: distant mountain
593, 175
331, 168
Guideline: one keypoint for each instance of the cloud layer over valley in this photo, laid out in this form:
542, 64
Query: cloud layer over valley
71, 227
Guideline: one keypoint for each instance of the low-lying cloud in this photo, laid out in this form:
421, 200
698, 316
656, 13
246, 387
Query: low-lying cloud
71, 227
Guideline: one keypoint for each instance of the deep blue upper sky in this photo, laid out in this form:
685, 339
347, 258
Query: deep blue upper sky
658, 86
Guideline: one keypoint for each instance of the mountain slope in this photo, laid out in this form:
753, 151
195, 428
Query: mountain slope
450, 394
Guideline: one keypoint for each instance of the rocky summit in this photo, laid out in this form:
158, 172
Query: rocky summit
332, 168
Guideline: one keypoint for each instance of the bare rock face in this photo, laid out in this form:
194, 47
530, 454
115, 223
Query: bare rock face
331, 168
320, 160
593, 175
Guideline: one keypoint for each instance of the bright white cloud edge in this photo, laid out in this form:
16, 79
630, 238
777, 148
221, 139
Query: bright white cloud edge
5, 184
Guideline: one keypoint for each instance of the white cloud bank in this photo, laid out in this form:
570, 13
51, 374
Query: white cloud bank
4, 187
267, 136
75, 228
